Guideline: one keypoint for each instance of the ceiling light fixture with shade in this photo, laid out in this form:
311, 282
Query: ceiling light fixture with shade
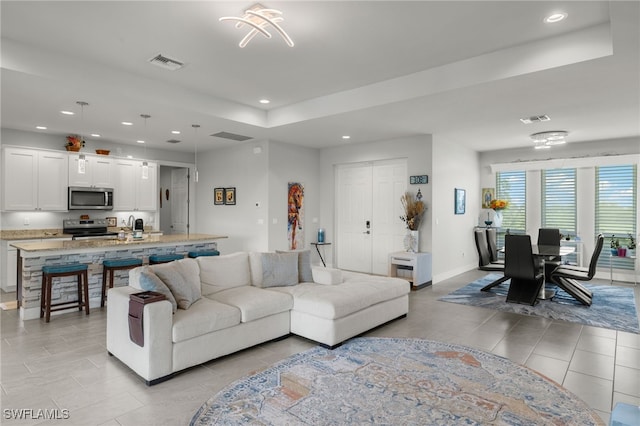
545, 140
82, 160
195, 172
145, 163
258, 18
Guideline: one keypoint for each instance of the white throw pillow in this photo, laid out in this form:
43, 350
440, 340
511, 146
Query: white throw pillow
327, 276
221, 272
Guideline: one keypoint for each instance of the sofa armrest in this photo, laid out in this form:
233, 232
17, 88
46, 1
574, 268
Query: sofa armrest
327, 276
154, 359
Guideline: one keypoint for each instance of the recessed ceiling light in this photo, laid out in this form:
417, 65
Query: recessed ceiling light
127, 123
175, 132
264, 101
41, 127
346, 137
129, 156
95, 135
67, 112
555, 17
140, 141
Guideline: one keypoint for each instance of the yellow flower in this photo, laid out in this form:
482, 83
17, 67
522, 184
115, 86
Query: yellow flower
499, 204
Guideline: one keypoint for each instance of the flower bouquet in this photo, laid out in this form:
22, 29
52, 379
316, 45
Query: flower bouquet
414, 209
498, 205
74, 143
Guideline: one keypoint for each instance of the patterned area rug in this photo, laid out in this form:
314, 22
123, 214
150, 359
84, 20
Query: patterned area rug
395, 381
612, 307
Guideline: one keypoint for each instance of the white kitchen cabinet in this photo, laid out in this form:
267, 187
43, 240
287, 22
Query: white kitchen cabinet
131, 191
34, 180
97, 172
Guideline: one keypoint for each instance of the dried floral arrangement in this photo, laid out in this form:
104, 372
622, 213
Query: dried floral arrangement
414, 209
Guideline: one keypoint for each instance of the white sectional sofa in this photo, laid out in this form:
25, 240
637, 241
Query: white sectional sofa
219, 305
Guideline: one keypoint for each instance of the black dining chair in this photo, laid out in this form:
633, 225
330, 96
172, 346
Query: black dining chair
520, 267
566, 276
492, 242
484, 259
550, 237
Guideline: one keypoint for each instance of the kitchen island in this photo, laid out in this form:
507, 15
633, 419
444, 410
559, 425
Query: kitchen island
32, 256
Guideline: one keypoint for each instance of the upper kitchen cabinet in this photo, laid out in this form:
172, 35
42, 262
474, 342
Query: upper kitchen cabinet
97, 171
34, 180
135, 187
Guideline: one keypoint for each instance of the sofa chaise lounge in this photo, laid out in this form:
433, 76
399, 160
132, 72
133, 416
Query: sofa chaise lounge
219, 305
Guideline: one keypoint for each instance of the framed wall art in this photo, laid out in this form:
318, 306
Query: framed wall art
230, 196
488, 194
460, 198
218, 196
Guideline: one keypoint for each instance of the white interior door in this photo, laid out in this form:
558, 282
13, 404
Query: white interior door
179, 198
353, 217
389, 182
368, 209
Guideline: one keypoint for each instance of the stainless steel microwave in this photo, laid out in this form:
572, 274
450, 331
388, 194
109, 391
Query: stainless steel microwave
81, 198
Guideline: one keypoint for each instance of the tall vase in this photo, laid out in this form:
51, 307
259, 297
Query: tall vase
497, 219
412, 241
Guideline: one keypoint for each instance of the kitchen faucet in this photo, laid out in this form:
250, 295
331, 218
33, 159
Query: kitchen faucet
130, 222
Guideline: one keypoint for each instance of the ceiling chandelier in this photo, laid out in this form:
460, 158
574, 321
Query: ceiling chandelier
545, 140
258, 18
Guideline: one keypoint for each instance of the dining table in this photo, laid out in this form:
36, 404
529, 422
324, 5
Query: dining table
544, 252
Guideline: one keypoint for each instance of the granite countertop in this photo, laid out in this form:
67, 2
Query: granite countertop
54, 245
43, 234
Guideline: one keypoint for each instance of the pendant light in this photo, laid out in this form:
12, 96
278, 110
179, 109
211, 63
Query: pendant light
82, 160
145, 164
195, 172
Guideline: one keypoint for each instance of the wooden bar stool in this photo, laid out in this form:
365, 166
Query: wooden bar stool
108, 270
194, 254
164, 258
56, 271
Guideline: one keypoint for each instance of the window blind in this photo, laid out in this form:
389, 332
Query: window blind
512, 186
559, 203
616, 206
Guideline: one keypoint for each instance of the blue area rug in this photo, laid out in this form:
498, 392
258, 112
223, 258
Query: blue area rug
612, 307
395, 382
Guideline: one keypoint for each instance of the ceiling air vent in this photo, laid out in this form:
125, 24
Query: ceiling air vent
535, 119
173, 141
232, 136
166, 63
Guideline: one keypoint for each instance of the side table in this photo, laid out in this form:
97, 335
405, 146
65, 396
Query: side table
318, 250
416, 265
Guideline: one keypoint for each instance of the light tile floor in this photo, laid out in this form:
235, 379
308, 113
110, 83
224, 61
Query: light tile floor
64, 364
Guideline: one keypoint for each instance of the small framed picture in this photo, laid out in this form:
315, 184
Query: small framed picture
218, 196
460, 199
112, 221
230, 196
488, 194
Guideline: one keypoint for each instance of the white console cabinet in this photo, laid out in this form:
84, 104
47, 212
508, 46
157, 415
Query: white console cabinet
414, 267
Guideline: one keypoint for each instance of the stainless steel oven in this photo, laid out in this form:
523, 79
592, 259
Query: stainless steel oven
88, 198
85, 229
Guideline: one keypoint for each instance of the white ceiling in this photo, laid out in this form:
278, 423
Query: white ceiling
374, 70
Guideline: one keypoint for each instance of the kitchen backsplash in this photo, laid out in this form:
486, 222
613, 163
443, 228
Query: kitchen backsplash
46, 220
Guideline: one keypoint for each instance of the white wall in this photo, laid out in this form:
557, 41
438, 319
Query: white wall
244, 223
290, 163
454, 248
417, 151
260, 172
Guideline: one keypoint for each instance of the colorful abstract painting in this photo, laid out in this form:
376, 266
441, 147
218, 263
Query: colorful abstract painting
295, 227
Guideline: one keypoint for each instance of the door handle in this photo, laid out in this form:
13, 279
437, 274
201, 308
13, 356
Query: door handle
366, 232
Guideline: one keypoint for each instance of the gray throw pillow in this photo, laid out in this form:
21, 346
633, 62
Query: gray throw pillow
279, 269
150, 282
182, 280
304, 265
